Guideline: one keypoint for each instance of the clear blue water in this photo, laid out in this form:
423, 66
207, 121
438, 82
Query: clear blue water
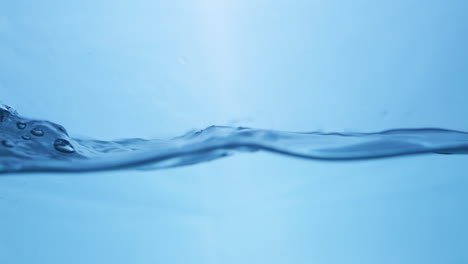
42, 146
116, 70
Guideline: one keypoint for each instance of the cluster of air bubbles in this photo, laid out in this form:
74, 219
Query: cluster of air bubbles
61, 145
6, 114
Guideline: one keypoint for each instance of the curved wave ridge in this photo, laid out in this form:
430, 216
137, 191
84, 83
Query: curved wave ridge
29, 145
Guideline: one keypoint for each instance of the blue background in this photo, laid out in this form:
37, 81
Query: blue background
115, 69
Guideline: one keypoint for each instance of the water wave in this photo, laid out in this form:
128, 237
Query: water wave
28, 145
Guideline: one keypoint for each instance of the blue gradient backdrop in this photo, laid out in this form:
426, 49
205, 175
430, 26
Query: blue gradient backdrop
141, 68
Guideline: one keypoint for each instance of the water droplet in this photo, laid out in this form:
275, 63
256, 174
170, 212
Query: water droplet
37, 132
7, 143
26, 137
21, 125
64, 146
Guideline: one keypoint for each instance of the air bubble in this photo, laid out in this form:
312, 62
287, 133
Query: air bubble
26, 137
7, 143
21, 125
64, 146
37, 132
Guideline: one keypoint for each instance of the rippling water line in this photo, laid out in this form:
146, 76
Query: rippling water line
28, 145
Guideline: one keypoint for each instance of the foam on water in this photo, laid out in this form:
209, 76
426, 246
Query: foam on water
29, 145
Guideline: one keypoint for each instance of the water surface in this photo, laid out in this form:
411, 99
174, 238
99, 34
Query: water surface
29, 145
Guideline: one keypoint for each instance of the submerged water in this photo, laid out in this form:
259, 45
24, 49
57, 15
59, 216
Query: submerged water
41, 146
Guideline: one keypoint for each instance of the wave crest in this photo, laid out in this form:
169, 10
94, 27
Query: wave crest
28, 145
